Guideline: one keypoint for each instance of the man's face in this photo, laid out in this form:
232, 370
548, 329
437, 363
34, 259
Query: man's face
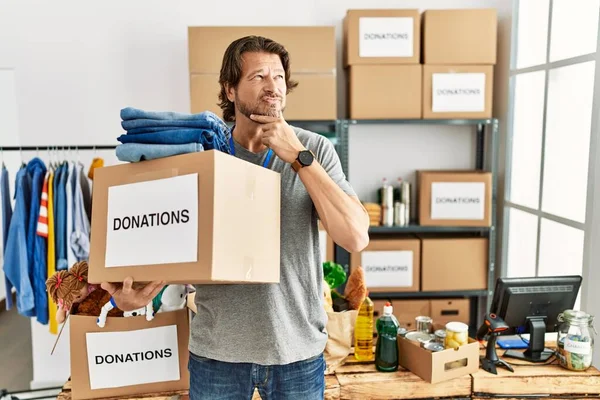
262, 88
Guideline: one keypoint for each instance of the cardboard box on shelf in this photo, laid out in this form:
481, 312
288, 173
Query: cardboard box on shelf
449, 310
312, 51
176, 219
455, 198
327, 245
454, 264
405, 311
463, 36
387, 36
315, 97
440, 366
457, 91
129, 356
390, 265
385, 91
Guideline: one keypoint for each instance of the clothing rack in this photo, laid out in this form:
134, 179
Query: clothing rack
64, 147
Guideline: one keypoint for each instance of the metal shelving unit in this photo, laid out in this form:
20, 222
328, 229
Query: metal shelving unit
486, 158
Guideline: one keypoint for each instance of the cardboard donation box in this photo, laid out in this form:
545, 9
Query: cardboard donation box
129, 356
385, 91
449, 310
454, 264
382, 37
462, 36
204, 217
455, 198
390, 265
458, 91
312, 51
440, 366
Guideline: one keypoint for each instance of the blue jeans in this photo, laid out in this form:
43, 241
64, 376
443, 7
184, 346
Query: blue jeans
216, 380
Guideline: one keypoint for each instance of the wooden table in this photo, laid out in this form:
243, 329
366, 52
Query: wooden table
361, 381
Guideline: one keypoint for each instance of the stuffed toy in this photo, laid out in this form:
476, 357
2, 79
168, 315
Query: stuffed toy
110, 305
173, 297
70, 291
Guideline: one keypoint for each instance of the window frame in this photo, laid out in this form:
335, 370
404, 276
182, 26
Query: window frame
591, 226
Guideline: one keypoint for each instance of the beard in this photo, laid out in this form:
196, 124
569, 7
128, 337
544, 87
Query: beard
259, 107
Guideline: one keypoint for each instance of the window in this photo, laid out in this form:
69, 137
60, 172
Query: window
552, 93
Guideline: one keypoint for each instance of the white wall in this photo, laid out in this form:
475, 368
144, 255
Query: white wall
77, 64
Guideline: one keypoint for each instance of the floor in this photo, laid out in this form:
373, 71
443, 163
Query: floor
16, 362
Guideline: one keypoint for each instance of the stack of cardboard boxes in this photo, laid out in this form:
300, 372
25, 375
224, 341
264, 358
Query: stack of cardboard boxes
382, 53
459, 52
435, 263
406, 65
313, 65
174, 219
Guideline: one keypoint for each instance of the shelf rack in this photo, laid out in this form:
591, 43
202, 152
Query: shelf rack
486, 158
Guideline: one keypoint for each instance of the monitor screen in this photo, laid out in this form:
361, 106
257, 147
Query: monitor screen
517, 299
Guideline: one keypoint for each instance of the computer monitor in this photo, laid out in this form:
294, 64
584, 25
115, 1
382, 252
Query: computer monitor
532, 305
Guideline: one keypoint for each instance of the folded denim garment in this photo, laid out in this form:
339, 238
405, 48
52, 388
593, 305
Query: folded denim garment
151, 129
134, 152
207, 138
130, 113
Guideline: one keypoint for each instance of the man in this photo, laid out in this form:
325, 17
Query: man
270, 336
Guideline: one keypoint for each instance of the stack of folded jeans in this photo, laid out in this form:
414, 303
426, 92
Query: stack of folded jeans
157, 134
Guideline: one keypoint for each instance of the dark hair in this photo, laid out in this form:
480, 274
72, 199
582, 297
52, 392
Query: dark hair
231, 69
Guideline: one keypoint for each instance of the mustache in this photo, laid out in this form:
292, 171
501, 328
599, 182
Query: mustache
271, 96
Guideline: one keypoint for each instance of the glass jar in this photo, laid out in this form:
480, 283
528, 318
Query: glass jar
575, 340
457, 334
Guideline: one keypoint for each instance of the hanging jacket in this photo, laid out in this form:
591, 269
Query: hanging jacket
60, 222
70, 194
16, 262
6, 209
41, 256
80, 238
52, 308
36, 171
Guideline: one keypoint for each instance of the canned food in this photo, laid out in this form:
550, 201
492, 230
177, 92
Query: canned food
419, 337
433, 346
440, 335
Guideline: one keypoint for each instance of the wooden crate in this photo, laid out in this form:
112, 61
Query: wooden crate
546, 380
178, 395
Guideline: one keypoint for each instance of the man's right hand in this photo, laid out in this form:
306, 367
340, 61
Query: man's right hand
130, 298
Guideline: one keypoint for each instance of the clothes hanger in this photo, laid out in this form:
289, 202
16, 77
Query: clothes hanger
2, 157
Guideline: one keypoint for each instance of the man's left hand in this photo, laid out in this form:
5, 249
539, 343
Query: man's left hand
279, 136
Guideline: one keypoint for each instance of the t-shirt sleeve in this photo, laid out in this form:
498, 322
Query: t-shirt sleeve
330, 161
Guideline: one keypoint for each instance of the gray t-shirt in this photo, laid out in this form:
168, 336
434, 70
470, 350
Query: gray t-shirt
274, 324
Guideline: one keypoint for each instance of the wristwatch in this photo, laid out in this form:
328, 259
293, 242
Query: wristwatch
305, 158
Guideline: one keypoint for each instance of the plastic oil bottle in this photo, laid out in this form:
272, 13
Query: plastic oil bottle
386, 351
363, 332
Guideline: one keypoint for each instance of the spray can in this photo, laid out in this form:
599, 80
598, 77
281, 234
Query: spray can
387, 204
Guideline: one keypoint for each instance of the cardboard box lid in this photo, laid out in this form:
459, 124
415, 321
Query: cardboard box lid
460, 36
311, 48
352, 40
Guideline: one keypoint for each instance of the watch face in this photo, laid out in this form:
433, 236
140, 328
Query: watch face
305, 158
